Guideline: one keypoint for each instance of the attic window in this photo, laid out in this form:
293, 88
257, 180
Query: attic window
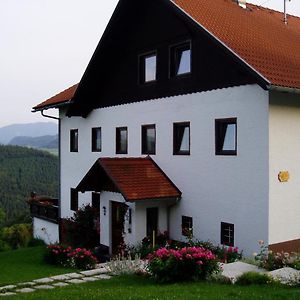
148, 67
180, 62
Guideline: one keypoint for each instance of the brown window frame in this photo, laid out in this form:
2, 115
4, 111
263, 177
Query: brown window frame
73, 199
73, 140
94, 139
227, 239
118, 140
176, 139
144, 139
186, 225
220, 134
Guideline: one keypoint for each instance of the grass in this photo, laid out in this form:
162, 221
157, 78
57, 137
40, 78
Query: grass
134, 287
26, 264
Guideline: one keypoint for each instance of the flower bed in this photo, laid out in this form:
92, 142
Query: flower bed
79, 258
188, 263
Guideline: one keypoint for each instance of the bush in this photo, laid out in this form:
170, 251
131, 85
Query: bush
17, 236
82, 230
80, 258
254, 278
188, 263
276, 260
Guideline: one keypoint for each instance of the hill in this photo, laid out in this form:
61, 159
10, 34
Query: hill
45, 141
7, 133
23, 170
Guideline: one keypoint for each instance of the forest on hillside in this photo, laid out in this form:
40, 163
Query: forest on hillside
22, 171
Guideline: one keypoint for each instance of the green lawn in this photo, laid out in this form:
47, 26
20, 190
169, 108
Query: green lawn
133, 287
26, 264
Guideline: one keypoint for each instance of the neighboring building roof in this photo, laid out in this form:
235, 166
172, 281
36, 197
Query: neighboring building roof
257, 35
135, 178
59, 99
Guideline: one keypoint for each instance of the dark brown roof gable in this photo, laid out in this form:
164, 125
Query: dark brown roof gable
135, 178
257, 35
59, 99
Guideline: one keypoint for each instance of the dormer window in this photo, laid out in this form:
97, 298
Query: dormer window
148, 67
180, 59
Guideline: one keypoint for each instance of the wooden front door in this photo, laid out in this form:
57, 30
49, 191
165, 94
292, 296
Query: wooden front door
117, 218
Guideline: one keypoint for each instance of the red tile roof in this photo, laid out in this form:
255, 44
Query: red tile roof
134, 178
63, 97
257, 35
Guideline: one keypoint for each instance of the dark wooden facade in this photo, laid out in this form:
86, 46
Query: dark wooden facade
142, 26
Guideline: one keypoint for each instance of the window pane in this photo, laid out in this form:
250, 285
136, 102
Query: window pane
123, 140
151, 140
185, 141
229, 140
184, 62
73, 140
150, 68
96, 139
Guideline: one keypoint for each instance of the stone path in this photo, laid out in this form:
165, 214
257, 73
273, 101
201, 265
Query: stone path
56, 281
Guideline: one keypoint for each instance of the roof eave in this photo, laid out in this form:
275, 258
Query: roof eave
57, 105
283, 89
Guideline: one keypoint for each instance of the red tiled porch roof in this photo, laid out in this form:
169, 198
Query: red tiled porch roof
257, 35
135, 178
63, 97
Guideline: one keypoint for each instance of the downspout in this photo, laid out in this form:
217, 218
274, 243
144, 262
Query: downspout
59, 171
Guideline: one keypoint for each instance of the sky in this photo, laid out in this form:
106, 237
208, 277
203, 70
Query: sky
45, 46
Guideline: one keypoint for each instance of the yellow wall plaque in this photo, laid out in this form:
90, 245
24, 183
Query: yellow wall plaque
284, 176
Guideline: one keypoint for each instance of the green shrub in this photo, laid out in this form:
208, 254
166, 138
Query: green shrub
4, 246
188, 263
36, 242
276, 260
81, 229
17, 236
254, 278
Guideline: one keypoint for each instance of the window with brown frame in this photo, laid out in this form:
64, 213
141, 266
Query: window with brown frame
96, 139
226, 136
227, 234
148, 67
121, 140
74, 199
148, 139
186, 226
181, 138
180, 59
74, 140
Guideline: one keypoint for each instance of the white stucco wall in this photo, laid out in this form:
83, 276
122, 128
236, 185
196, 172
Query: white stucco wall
284, 219
46, 231
231, 189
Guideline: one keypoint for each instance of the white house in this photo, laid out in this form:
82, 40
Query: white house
187, 116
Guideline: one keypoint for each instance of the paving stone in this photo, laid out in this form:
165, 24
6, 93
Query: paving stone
74, 275
7, 287
60, 284
26, 284
103, 276
87, 279
94, 272
25, 290
43, 280
60, 277
44, 287
7, 294
75, 281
